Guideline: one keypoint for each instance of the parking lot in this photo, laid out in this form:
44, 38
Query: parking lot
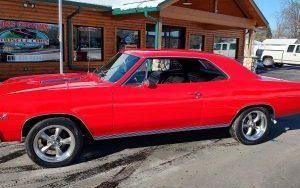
193, 159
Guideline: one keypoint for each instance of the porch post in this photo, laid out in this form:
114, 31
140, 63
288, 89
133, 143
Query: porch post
158, 31
249, 60
61, 48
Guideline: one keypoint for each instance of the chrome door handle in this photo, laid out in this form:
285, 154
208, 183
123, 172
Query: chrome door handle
197, 94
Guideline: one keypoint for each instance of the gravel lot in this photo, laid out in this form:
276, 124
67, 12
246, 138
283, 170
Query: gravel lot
193, 159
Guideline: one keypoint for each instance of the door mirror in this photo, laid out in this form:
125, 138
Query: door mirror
149, 84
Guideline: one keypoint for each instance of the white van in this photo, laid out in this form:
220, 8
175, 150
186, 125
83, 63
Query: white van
226, 49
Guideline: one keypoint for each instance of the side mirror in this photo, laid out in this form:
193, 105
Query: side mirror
148, 84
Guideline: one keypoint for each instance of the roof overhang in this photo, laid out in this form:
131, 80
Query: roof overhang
83, 4
119, 11
141, 6
262, 16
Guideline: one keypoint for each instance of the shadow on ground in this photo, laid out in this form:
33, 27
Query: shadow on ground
105, 148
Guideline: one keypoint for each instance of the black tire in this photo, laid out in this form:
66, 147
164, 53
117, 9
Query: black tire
268, 62
279, 65
61, 121
237, 128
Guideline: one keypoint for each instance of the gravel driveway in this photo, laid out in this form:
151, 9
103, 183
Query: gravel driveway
193, 159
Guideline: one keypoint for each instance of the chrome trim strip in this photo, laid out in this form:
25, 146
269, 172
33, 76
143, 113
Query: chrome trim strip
145, 133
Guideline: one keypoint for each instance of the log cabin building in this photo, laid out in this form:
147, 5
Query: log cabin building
95, 30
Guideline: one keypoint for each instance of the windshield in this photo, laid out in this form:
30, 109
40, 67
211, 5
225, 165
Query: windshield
119, 65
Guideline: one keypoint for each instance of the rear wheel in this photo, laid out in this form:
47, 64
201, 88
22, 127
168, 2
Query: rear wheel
252, 126
54, 142
268, 62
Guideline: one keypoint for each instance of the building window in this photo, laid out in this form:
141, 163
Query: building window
88, 43
28, 41
172, 37
226, 46
128, 39
196, 42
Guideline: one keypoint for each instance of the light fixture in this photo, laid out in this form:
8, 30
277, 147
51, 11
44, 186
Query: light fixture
29, 4
187, 3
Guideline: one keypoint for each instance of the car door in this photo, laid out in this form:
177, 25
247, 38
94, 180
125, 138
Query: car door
215, 96
163, 108
290, 55
297, 55
216, 101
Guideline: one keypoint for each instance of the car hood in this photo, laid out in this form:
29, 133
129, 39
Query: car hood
50, 82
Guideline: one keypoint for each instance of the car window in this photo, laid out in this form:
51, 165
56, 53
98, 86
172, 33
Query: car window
217, 47
139, 76
224, 47
298, 49
173, 70
291, 48
118, 67
232, 47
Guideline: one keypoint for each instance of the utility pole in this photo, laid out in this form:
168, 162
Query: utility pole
60, 26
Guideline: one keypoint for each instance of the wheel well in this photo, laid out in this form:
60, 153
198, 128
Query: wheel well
267, 107
265, 57
31, 122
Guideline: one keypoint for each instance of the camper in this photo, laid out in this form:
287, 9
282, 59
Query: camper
277, 52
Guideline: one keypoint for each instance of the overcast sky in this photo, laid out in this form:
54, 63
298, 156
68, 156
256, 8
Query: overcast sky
270, 8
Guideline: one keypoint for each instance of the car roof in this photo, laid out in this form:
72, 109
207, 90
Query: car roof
165, 53
231, 67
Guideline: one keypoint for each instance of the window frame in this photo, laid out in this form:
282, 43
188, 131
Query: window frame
226, 76
203, 41
226, 37
37, 22
102, 46
128, 29
168, 28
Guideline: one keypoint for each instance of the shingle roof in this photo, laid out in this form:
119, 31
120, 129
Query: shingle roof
122, 4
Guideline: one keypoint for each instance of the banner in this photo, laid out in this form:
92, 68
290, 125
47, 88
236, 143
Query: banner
27, 41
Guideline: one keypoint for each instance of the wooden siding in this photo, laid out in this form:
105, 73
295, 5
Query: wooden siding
14, 10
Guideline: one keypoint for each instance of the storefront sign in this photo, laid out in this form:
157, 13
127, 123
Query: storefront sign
28, 41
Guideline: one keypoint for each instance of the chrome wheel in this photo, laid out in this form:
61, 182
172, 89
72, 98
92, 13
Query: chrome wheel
54, 143
254, 125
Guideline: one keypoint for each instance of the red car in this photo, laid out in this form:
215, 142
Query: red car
141, 93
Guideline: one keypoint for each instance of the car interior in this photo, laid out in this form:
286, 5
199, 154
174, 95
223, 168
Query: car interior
169, 71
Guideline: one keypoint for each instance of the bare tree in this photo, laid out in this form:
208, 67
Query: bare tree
263, 33
288, 20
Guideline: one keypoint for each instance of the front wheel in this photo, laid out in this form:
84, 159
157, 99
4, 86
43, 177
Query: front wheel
54, 142
252, 126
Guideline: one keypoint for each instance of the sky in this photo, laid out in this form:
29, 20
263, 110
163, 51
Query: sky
269, 8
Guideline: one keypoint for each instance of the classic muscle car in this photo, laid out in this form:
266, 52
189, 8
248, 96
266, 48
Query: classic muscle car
141, 93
